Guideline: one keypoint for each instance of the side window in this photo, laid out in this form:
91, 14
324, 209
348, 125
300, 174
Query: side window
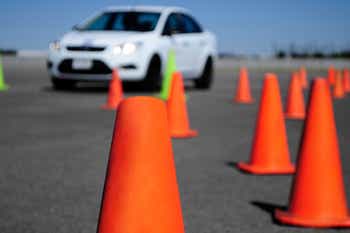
190, 25
172, 25
148, 21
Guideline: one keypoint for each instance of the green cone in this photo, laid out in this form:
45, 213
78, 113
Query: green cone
170, 69
3, 85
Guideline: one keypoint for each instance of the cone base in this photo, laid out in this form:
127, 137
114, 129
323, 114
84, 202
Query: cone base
295, 116
259, 170
187, 134
290, 219
244, 101
109, 107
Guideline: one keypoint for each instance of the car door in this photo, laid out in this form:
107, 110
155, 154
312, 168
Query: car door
173, 39
193, 42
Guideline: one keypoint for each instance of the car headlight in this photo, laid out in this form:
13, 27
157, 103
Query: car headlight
55, 46
126, 49
129, 48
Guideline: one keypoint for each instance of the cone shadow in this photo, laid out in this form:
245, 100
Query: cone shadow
270, 209
231, 164
234, 165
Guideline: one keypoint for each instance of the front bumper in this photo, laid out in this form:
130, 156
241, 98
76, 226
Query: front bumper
130, 68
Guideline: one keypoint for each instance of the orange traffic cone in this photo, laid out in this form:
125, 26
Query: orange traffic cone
115, 94
331, 75
141, 192
295, 100
177, 110
317, 197
338, 91
270, 153
243, 94
303, 77
346, 80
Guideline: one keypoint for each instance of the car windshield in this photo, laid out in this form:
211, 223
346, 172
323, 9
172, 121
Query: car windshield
122, 21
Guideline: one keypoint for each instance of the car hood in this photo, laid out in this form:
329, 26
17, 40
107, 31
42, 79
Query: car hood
101, 38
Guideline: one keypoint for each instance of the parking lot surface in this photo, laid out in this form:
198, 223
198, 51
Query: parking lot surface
54, 148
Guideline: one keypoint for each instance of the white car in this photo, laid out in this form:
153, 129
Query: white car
136, 41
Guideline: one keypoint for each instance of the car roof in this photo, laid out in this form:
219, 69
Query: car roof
160, 9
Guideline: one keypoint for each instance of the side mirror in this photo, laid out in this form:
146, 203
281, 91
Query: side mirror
174, 32
166, 33
171, 32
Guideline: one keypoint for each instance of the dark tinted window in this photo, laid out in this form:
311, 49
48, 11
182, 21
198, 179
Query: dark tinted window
123, 21
172, 25
189, 24
98, 23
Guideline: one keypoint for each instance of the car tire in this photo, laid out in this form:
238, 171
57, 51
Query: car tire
206, 79
153, 76
60, 84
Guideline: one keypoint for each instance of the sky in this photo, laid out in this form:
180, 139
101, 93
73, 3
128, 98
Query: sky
241, 26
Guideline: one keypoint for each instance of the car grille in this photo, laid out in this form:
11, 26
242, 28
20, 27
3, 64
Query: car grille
98, 67
85, 48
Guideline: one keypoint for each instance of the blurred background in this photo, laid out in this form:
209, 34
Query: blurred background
300, 28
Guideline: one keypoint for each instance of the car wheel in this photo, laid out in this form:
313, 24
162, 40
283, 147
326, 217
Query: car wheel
205, 80
153, 77
60, 84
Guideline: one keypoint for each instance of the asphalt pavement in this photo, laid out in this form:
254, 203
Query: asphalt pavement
54, 148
